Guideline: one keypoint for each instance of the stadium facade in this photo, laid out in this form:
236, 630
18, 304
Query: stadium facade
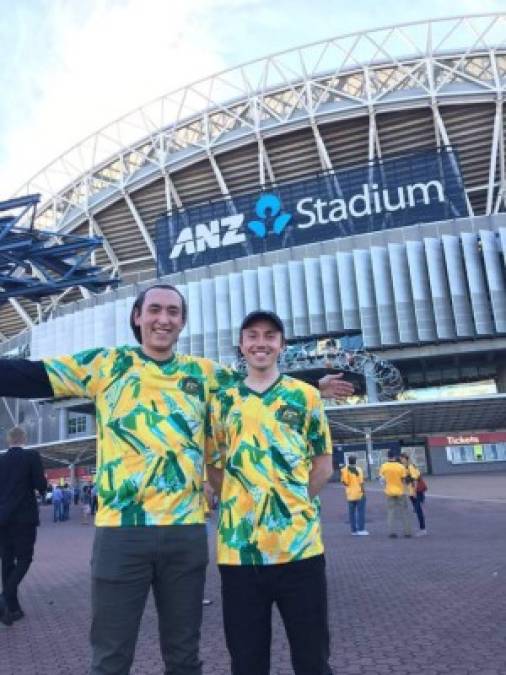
357, 186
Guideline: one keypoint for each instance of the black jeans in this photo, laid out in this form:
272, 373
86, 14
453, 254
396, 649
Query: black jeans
126, 563
299, 590
17, 546
417, 508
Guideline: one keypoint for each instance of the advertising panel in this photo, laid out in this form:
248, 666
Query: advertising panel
387, 193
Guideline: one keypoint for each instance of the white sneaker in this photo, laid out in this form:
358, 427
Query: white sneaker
363, 533
355, 534
421, 533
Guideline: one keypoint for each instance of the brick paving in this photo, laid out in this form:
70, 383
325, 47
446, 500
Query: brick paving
430, 606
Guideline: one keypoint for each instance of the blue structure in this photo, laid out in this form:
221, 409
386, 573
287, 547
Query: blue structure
59, 260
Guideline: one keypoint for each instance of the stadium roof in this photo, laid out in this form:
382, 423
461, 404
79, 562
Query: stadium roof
418, 418
350, 423
319, 107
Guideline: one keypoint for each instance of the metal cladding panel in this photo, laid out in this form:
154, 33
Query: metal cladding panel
366, 298
55, 329
35, 342
461, 304
195, 318
314, 290
387, 318
475, 271
331, 297
237, 312
68, 330
123, 332
403, 296
209, 318
184, 343
494, 270
282, 297
105, 329
420, 288
445, 327
348, 291
266, 288
226, 352
41, 340
88, 328
298, 297
250, 288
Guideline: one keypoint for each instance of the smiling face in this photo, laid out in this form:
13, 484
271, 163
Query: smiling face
260, 344
160, 321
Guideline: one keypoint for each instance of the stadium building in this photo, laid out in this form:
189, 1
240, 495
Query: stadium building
356, 186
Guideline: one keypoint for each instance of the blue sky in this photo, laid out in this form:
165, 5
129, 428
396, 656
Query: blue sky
70, 67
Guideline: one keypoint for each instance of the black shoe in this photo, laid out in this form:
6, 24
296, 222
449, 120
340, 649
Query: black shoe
392, 536
5, 615
17, 614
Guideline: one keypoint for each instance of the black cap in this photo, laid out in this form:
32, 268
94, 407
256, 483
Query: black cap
263, 315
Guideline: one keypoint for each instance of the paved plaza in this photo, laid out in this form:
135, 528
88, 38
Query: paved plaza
430, 606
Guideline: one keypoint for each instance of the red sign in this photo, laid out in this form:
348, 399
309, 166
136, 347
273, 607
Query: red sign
467, 439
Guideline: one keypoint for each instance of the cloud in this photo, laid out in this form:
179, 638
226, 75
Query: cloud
69, 68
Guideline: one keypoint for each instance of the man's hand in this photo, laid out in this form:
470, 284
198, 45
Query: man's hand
334, 386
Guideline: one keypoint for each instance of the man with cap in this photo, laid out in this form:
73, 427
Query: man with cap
269, 453
151, 410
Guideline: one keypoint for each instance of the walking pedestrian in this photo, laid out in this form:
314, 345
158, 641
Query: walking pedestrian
352, 478
57, 504
415, 491
394, 475
21, 473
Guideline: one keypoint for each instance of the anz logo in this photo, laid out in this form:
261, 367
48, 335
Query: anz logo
228, 231
268, 208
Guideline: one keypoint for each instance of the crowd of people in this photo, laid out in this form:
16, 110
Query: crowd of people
401, 480
62, 495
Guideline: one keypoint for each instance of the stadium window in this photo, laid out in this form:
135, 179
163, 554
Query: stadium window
76, 424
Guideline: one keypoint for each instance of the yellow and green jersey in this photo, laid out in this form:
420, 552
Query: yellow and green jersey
150, 430
265, 444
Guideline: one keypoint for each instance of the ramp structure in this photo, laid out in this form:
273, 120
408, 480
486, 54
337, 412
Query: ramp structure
36, 263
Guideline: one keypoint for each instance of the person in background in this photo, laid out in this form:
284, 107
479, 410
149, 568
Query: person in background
57, 504
21, 473
416, 496
352, 477
77, 494
86, 505
394, 475
67, 500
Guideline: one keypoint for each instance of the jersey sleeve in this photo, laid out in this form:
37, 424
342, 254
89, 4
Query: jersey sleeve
221, 377
22, 378
76, 375
319, 440
215, 436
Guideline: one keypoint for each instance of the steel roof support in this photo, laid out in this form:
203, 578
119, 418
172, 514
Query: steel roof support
140, 224
22, 313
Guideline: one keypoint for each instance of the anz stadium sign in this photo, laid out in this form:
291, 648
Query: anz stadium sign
388, 193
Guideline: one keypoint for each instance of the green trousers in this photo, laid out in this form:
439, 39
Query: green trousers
126, 563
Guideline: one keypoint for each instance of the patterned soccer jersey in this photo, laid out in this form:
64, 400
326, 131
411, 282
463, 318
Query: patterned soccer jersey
265, 444
150, 430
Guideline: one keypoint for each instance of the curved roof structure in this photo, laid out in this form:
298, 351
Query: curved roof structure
322, 106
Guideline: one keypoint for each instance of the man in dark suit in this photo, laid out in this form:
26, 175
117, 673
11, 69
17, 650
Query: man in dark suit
21, 473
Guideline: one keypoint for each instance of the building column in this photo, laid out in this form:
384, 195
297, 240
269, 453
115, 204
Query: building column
500, 378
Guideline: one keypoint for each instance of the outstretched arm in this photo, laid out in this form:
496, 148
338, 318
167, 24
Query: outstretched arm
21, 378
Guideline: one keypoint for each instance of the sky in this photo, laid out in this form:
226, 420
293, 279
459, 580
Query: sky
70, 67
